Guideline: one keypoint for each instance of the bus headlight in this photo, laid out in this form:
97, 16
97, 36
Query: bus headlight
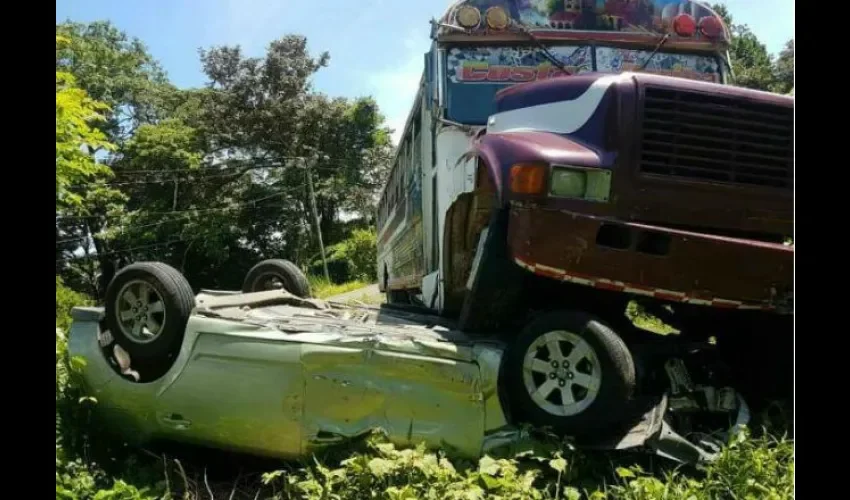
581, 183
497, 18
468, 17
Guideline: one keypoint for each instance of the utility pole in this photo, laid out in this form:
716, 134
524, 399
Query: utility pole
308, 164
174, 201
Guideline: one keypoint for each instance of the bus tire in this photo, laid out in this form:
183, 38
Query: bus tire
269, 273
147, 307
393, 296
568, 371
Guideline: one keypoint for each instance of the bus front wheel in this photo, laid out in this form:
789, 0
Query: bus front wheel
568, 371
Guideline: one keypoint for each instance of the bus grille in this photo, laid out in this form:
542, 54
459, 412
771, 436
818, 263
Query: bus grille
713, 138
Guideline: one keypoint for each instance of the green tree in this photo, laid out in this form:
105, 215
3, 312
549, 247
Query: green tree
117, 70
274, 119
81, 181
752, 64
191, 164
783, 70
76, 137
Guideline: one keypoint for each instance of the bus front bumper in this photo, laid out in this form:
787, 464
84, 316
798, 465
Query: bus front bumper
641, 259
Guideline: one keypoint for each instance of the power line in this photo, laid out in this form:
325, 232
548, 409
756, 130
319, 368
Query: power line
200, 178
122, 250
273, 164
155, 181
189, 213
88, 217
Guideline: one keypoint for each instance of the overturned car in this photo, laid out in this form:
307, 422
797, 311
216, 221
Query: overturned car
278, 374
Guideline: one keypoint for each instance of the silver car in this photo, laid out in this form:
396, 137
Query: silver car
270, 373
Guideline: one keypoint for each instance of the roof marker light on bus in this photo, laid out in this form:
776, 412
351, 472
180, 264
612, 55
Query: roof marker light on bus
468, 17
710, 26
684, 25
497, 18
528, 178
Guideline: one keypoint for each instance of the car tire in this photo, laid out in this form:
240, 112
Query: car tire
582, 391
262, 276
147, 307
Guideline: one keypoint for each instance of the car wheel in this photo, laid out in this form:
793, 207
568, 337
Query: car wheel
277, 273
570, 372
147, 307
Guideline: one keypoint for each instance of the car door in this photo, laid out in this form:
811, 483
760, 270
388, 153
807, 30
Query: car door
241, 390
414, 398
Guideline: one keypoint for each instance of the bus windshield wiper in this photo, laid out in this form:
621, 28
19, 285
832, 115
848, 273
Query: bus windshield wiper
544, 50
655, 51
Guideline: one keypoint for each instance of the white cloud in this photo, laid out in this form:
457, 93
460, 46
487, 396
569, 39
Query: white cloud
395, 86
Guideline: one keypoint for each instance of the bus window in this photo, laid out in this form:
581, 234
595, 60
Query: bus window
417, 146
475, 74
691, 66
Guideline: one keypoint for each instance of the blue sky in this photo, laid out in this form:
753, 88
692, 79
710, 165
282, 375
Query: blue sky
376, 46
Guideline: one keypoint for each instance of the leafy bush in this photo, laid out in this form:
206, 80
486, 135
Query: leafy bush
352, 259
76, 476
65, 300
747, 468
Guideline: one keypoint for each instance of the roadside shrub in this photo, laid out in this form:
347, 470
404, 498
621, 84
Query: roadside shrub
65, 300
747, 468
78, 476
352, 259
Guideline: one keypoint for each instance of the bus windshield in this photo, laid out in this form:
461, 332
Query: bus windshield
475, 73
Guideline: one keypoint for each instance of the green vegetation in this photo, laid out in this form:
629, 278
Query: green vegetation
210, 180
323, 289
645, 321
354, 258
752, 65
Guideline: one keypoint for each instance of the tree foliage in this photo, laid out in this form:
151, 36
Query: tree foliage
784, 69
117, 70
213, 179
76, 137
752, 65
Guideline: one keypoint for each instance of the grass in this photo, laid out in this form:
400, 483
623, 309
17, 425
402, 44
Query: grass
323, 288
645, 321
91, 466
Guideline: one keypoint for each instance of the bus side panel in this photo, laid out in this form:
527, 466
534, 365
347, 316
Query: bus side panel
453, 179
407, 262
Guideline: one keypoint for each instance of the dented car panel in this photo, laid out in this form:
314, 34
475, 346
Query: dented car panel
285, 381
413, 398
